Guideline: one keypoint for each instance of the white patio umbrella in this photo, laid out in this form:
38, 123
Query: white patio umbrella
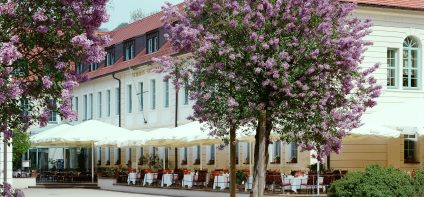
401, 116
377, 130
133, 138
35, 138
84, 134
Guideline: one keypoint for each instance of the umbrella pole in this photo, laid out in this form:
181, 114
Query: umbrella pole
250, 158
92, 163
318, 177
201, 165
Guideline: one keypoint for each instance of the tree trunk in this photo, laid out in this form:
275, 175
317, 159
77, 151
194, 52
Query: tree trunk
232, 161
261, 156
176, 124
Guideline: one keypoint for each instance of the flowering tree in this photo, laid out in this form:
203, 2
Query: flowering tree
291, 66
39, 41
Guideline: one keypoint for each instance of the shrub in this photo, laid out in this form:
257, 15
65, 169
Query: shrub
374, 181
419, 181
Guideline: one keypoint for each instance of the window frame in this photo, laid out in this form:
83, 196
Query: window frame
141, 103
410, 138
110, 56
108, 103
153, 95
129, 98
129, 49
166, 93
85, 107
152, 42
409, 67
91, 101
99, 104
395, 67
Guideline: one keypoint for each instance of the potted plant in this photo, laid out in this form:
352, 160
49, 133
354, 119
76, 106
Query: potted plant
240, 178
211, 162
184, 162
196, 162
277, 159
107, 162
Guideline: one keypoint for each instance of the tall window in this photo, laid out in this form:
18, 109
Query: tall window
152, 151
184, 156
210, 154
107, 152
117, 156
93, 66
80, 68
186, 93
108, 103
99, 104
291, 153
91, 106
129, 49
246, 152
117, 104
84, 107
166, 93
410, 63
110, 56
391, 68
76, 107
152, 42
25, 107
140, 154
99, 154
277, 152
129, 96
128, 154
141, 104
410, 148
53, 117
153, 90
196, 155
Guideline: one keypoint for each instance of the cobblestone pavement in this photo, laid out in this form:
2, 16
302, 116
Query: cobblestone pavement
79, 193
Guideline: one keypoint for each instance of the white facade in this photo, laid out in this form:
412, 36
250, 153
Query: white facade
155, 114
390, 28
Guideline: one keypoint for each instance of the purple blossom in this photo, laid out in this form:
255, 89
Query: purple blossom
47, 83
42, 29
9, 53
40, 16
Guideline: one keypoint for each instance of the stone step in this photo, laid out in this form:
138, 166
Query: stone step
67, 185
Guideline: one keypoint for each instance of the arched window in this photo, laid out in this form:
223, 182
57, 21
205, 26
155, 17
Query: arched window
410, 63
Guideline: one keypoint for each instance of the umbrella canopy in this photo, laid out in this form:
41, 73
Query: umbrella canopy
137, 137
377, 130
401, 116
83, 134
36, 138
163, 137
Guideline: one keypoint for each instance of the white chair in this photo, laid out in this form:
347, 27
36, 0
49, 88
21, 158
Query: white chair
287, 183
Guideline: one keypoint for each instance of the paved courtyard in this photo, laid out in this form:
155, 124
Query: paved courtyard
79, 192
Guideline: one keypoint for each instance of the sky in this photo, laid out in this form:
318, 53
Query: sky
120, 10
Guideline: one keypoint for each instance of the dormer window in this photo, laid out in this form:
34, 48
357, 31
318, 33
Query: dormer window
110, 56
80, 68
129, 50
94, 66
152, 42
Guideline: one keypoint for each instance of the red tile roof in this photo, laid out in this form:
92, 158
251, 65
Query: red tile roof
402, 4
153, 22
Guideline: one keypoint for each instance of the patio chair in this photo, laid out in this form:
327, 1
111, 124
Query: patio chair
201, 178
309, 183
287, 183
158, 180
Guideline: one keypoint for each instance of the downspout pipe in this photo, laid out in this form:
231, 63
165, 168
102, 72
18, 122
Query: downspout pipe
119, 98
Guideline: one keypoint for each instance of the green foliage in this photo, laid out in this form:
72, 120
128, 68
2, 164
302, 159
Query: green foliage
419, 181
121, 25
152, 161
21, 144
240, 177
374, 181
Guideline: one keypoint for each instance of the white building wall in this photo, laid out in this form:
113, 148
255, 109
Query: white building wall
389, 30
161, 116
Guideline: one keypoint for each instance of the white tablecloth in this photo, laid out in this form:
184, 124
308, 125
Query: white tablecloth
167, 179
150, 178
188, 180
249, 183
131, 178
221, 181
296, 182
